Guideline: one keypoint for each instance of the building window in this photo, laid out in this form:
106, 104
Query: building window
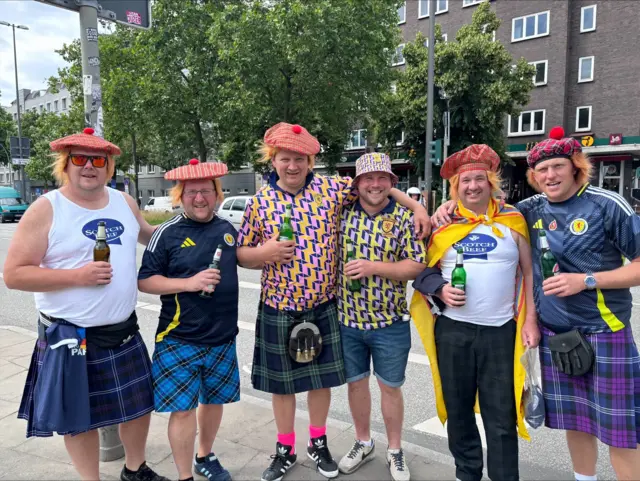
242, 191
55, 105
402, 13
423, 8
531, 26
394, 88
225, 192
585, 69
527, 123
41, 108
400, 139
398, 58
540, 77
165, 192
445, 38
15, 116
2, 178
468, 3
358, 139
442, 6
588, 18
141, 169
48, 106
583, 119
151, 193
151, 169
64, 104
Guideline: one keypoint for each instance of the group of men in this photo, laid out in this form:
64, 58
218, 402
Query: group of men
332, 303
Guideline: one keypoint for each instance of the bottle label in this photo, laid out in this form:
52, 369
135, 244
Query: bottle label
459, 286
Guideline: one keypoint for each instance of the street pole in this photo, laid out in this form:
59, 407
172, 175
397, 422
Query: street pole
90, 64
430, 82
445, 147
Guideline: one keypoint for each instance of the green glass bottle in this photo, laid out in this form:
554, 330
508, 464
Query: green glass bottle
548, 262
215, 264
354, 285
459, 275
286, 229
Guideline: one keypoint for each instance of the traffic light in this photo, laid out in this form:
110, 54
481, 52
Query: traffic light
435, 152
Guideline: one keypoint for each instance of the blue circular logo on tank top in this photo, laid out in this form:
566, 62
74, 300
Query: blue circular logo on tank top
114, 230
477, 246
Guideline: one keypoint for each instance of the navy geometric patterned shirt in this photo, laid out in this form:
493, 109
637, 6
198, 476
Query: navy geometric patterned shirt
593, 231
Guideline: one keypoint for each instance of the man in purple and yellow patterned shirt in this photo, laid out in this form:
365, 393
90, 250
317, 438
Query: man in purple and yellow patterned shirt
298, 302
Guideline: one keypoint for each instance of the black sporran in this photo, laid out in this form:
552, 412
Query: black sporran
571, 353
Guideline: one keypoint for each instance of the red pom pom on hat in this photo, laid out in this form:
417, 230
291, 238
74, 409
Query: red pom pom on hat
296, 129
556, 133
194, 162
88, 131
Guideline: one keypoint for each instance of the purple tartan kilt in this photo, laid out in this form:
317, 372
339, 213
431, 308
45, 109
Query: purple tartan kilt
120, 385
605, 402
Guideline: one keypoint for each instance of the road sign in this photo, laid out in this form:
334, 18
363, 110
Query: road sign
586, 141
435, 152
134, 13
16, 153
17, 161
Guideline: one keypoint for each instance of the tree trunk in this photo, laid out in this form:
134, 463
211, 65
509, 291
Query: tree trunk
202, 148
287, 96
136, 166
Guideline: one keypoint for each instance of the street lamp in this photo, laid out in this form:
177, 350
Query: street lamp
446, 118
15, 59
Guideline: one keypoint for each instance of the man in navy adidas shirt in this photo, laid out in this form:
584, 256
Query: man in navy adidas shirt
590, 231
195, 363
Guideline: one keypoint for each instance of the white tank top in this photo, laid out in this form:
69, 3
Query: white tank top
490, 263
71, 242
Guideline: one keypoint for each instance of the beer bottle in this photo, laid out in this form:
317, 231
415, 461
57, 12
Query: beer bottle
548, 261
215, 264
101, 251
286, 229
459, 275
354, 285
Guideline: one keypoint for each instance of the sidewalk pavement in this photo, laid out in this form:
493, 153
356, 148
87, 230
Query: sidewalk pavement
244, 443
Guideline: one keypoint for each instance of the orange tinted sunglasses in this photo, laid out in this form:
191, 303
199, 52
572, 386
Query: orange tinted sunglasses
80, 160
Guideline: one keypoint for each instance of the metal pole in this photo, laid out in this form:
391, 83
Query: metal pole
445, 149
23, 189
111, 447
430, 82
90, 64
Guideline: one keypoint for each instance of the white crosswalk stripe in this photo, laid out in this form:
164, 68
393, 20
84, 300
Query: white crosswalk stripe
434, 426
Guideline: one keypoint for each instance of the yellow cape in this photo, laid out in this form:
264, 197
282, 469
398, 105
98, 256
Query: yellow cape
441, 240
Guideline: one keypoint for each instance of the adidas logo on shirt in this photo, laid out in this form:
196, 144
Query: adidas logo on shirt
188, 243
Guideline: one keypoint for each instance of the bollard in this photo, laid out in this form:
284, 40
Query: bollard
111, 447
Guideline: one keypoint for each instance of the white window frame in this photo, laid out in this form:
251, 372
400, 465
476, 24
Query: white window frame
421, 14
524, 26
395, 55
394, 88
151, 193
350, 145
446, 7
593, 68
403, 18
1, 177
41, 108
578, 109
595, 15
151, 169
401, 141
141, 169
64, 103
445, 37
546, 72
48, 106
520, 133
471, 3
55, 105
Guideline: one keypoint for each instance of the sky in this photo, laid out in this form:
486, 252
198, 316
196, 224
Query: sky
50, 28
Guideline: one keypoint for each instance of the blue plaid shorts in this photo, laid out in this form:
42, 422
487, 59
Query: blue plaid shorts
185, 374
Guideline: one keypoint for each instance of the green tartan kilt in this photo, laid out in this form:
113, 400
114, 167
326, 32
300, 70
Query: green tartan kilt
276, 372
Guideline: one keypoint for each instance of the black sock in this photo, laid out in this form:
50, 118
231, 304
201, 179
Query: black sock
128, 471
200, 459
187, 479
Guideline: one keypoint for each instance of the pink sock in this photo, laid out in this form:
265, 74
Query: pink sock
316, 432
288, 440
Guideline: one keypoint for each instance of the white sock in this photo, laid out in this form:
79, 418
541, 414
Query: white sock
366, 443
584, 477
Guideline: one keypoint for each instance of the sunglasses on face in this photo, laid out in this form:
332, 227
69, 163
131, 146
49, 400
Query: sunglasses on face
80, 160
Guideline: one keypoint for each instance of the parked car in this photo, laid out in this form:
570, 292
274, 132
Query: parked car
232, 209
160, 204
12, 207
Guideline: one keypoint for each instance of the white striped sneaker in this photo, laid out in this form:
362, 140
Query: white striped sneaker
358, 455
398, 465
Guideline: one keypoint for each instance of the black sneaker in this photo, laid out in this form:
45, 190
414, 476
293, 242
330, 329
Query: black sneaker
318, 451
282, 462
144, 473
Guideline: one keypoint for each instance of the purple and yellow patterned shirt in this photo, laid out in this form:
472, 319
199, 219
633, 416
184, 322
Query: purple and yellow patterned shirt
310, 278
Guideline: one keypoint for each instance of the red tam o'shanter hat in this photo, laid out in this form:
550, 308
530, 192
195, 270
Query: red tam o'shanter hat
474, 157
196, 170
85, 140
292, 137
557, 145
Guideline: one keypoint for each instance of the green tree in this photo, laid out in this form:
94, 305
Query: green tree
320, 64
478, 77
7, 129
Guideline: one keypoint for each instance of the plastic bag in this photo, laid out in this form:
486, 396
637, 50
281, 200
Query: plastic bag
532, 397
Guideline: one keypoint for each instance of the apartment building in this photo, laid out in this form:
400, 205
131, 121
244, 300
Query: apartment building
587, 78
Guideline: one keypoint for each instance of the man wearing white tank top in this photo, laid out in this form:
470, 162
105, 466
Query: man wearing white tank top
481, 331
92, 303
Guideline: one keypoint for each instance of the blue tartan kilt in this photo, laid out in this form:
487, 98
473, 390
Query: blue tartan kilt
120, 385
276, 372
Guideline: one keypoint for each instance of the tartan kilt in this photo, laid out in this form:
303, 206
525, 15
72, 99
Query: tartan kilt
606, 401
273, 369
120, 385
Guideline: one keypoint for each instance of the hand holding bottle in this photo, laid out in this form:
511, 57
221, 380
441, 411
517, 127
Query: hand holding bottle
275, 251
